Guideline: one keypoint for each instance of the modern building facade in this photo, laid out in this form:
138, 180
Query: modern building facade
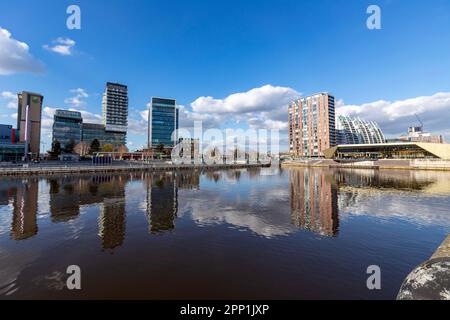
351, 130
163, 121
416, 134
10, 149
67, 127
29, 121
312, 127
115, 112
91, 131
400, 150
115, 107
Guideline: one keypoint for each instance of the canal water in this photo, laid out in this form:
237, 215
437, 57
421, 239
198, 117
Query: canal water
233, 234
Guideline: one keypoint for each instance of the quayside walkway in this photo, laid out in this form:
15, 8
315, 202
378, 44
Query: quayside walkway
116, 168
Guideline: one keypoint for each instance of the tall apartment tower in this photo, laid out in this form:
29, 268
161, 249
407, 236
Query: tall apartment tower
115, 108
29, 116
312, 126
162, 122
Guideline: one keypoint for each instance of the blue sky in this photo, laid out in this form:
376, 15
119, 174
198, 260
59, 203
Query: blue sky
261, 53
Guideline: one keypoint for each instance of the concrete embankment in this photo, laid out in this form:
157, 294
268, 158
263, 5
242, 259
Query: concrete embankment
418, 164
36, 170
430, 280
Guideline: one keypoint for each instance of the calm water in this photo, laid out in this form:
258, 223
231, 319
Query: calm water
307, 233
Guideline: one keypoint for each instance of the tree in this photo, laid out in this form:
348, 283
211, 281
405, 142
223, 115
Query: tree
108, 148
69, 146
95, 146
56, 149
82, 149
121, 150
160, 148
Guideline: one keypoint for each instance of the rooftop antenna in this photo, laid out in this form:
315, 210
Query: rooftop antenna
420, 121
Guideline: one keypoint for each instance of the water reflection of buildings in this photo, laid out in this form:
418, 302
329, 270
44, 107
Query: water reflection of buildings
162, 202
162, 198
68, 194
112, 218
25, 204
314, 201
23, 196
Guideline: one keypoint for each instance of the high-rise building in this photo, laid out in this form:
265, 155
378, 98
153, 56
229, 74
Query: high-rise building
163, 121
115, 110
67, 127
29, 121
312, 127
357, 131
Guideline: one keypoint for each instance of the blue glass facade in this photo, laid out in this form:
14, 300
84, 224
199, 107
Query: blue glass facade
10, 150
67, 126
164, 121
93, 131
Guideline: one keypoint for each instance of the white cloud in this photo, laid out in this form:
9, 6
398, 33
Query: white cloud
395, 117
265, 98
137, 127
259, 108
62, 46
15, 56
10, 98
77, 100
266, 107
144, 115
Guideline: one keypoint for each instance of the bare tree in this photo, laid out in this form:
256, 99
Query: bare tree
82, 149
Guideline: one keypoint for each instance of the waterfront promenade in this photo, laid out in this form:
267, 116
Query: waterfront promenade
117, 167
388, 164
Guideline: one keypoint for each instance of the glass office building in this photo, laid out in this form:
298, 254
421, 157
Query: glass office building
93, 131
67, 126
163, 121
10, 149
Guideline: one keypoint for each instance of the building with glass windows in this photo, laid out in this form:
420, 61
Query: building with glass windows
163, 121
10, 148
67, 126
312, 127
357, 131
382, 151
91, 131
29, 121
115, 107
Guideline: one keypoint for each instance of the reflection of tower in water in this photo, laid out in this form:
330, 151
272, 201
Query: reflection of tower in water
25, 204
112, 219
64, 198
314, 201
162, 202
112, 223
